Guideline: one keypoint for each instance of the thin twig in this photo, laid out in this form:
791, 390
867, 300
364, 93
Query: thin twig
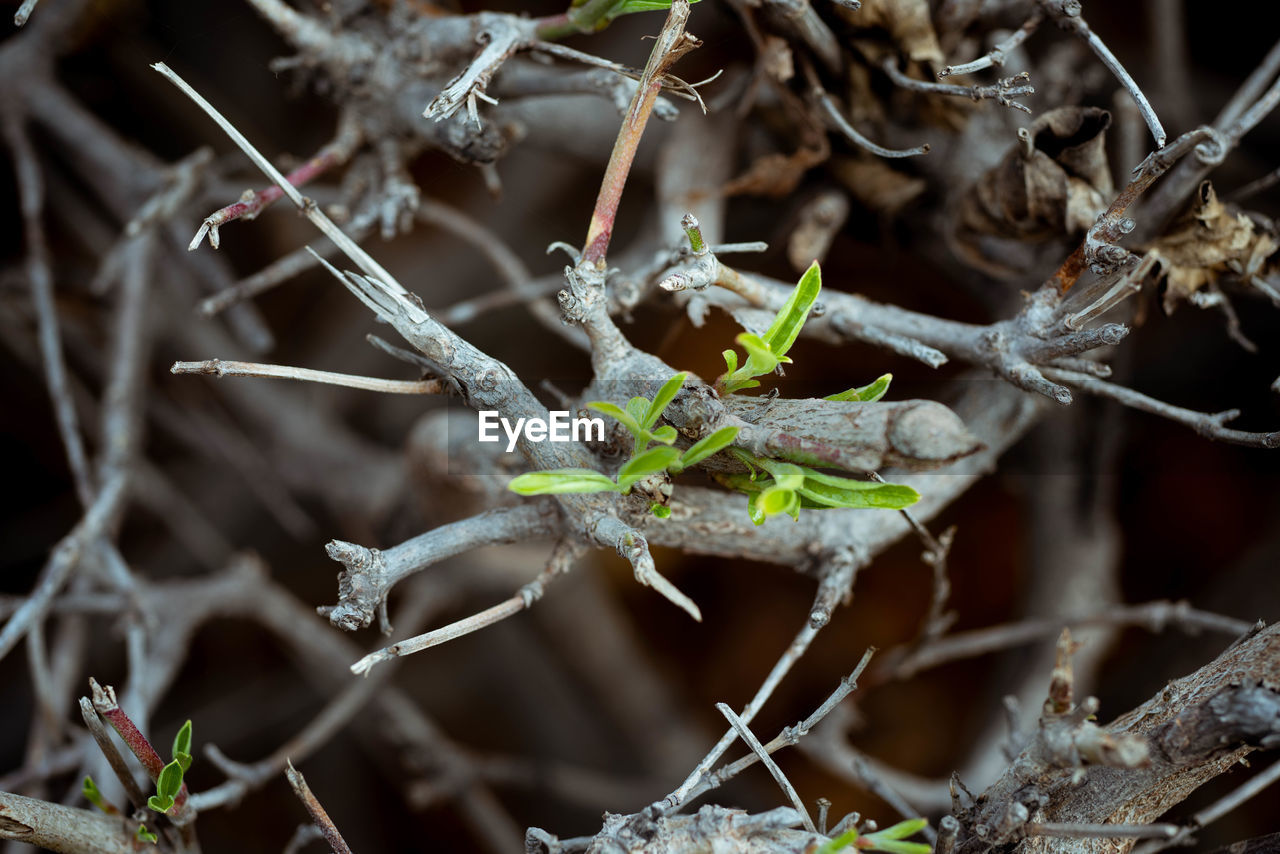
828, 105
1002, 91
1215, 811
317, 811
1067, 15
996, 56
348, 246
1152, 615
253, 202
1211, 425
560, 562
229, 368
749, 738
1073, 830
672, 43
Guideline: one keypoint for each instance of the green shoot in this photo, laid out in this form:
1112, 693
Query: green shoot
641, 414
91, 794
639, 418
866, 394
888, 840
557, 481
788, 488
766, 352
182, 746
168, 784
144, 835
705, 447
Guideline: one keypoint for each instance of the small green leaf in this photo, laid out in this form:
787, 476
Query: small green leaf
182, 746
786, 325
867, 394
628, 7
662, 511
169, 782
91, 794
665, 395
159, 804
644, 464
731, 360
839, 843
706, 446
637, 408
778, 499
144, 835
882, 496
893, 846
558, 481
666, 434
618, 414
787, 475
901, 830
760, 359
754, 510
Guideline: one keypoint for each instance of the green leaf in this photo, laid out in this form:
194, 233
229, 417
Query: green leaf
844, 840
662, 511
618, 414
666, 434
867, 394
731, 360
144, 835
169, 783
893, 846
637, 407
778, 499
628, 7
707, 446
182, 746
786, 325
787, 475
901, 830
882, 496
754, 510
665, 395
159, 804
558, 481
644, 464
91, 794
760, 359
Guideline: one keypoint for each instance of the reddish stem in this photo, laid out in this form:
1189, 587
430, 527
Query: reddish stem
672, 43
104, 701
253, 202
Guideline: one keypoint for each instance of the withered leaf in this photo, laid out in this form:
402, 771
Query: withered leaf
877, 185
907, 22
1209, 241
1053, 182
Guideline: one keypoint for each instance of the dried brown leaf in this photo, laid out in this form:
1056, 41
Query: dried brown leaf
1210, 240
907, 22
1053, 182
877, 185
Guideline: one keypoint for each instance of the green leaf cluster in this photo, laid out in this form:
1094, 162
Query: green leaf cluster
766, 352
889, 840
639, 418
169, 783
787, 487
